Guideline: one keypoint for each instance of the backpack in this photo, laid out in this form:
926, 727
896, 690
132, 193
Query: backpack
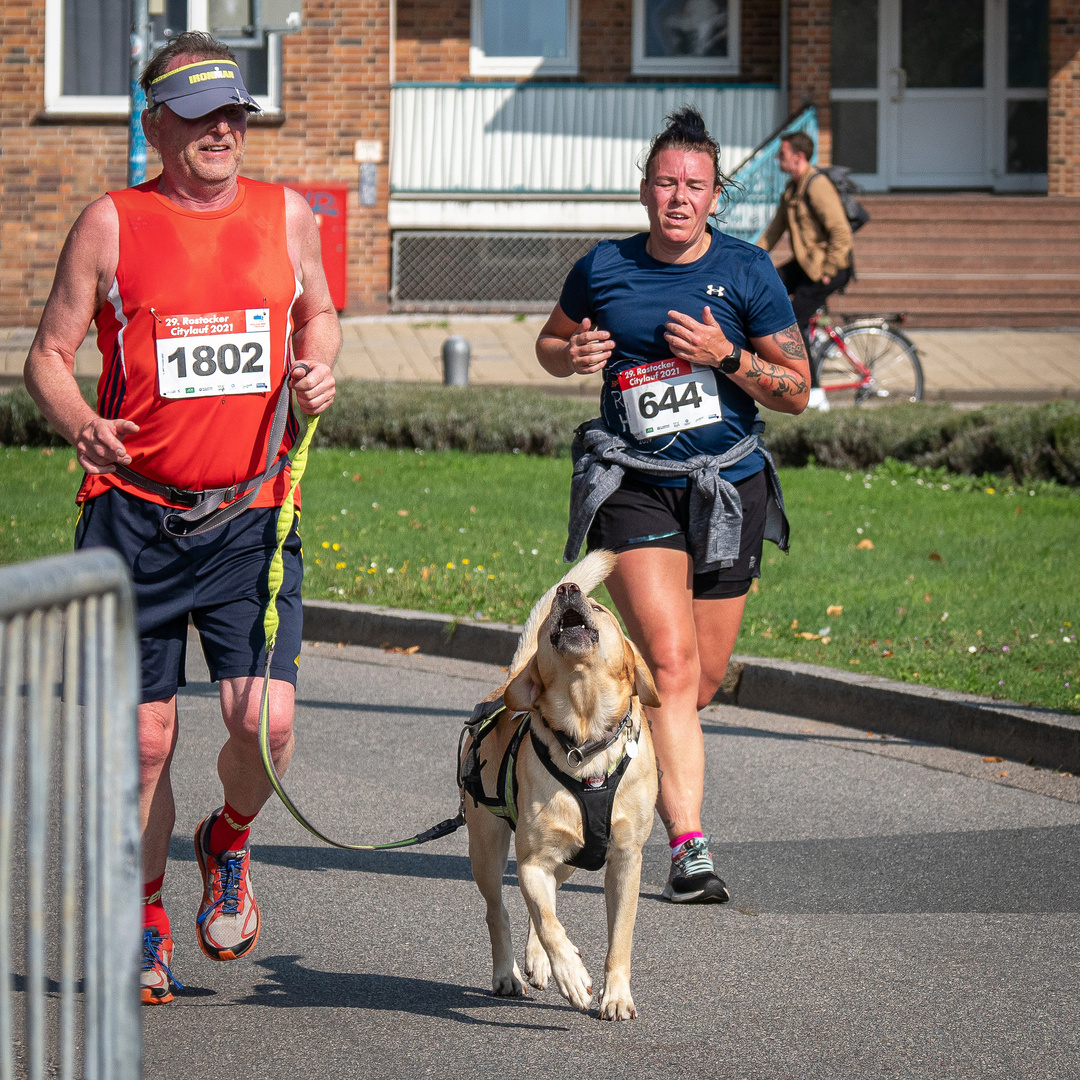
854, 211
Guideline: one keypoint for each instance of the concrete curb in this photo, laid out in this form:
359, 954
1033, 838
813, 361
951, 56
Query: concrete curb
884, 706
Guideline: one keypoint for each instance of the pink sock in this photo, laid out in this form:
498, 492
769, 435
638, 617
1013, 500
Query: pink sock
680, 840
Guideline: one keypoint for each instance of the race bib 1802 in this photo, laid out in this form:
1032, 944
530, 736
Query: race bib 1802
669, 395
220, 352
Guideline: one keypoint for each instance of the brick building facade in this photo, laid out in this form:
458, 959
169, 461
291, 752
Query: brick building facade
357, 64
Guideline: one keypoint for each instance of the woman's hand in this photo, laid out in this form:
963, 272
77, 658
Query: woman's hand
590, 349
699, 342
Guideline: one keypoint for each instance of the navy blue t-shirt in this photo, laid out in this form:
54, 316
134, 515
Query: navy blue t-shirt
624, 290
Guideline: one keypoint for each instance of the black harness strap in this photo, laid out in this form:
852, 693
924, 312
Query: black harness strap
596, 805
482, 723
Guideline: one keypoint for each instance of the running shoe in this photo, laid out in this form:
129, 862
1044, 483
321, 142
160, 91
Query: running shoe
227, 925
692, 879
156, 980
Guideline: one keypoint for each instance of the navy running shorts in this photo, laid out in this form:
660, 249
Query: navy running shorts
640, 514
219, 579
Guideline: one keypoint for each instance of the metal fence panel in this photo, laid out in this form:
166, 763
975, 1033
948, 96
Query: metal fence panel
437, 270
68, 662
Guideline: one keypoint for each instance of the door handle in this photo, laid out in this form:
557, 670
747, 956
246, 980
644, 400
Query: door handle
901, 84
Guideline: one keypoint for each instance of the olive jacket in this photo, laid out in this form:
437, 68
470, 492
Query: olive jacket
811, 212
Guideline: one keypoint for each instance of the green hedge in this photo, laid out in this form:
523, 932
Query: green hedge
1032, 442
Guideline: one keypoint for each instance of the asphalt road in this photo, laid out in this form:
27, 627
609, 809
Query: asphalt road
898, 910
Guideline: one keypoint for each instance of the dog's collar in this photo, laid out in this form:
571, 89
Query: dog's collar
576, 755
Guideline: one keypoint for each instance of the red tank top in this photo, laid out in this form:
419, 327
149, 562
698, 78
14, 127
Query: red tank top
194, 339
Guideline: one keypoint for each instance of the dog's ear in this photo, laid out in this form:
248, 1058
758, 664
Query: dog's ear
524, 688
637, 671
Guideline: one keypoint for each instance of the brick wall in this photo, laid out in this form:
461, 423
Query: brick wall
1064, 104
335, 90
433, 42
809, 34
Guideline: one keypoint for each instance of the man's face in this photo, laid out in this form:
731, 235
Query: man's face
680, 192
789, 160
207, 150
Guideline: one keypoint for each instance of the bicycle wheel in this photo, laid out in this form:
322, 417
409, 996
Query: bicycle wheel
895, 371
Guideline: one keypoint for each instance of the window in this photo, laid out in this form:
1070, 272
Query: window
686, 37
86, 53
510, 37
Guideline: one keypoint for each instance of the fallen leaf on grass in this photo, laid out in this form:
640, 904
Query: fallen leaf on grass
866, 545
926, 597
935, 557
794, 624
835, 609
992, 760
1019, 509
357, 478
403, 513
72, 465
47, 451
887, 653
854, 661
809, 636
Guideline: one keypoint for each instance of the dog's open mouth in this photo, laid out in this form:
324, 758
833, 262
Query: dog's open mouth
572, 627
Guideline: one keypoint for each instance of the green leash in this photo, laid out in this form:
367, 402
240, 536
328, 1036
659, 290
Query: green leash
298, 457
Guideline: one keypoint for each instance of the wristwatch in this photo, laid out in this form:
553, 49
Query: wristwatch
730, 364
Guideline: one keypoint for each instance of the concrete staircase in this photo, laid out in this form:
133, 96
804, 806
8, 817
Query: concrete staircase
968, 260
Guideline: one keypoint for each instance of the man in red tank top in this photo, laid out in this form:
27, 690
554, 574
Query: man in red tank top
206, 288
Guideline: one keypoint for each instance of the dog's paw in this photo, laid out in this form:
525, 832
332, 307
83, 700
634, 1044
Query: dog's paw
573, 980
508, 984
617, 1006
537, 964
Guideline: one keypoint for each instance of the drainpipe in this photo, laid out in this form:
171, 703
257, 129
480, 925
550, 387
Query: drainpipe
392, 77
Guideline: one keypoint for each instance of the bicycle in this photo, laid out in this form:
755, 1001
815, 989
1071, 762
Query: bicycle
865, 361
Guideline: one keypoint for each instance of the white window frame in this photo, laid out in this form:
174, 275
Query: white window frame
56, 102
482, 64
686, 65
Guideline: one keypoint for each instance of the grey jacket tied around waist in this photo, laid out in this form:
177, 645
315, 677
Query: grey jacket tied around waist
601, 458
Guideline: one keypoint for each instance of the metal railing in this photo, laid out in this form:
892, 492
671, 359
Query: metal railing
751, 201
69, 680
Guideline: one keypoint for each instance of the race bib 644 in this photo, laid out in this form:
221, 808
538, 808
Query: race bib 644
669, 395
219, 352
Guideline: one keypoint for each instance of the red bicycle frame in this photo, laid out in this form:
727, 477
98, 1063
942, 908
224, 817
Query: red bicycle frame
857, 367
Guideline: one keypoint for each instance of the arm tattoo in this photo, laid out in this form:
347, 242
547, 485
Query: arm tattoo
791, 343
778, 380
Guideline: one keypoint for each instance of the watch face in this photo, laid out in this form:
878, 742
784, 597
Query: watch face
730, 364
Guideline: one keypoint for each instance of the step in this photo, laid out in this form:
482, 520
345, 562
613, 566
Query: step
976, 208
881, 259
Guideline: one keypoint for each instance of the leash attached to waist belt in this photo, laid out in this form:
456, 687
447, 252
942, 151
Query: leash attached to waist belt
298, 458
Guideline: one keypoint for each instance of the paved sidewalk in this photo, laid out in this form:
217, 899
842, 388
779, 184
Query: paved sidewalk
970, 366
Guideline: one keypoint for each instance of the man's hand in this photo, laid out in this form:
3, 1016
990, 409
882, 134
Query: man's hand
590, 349
99, 445
699, 342
314, 386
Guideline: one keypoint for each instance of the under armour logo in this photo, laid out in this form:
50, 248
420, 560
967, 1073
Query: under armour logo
714, 290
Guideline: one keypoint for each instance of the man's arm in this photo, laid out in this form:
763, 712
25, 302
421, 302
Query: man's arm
84, 274
316, 336
827, 207
776, 374
776, 229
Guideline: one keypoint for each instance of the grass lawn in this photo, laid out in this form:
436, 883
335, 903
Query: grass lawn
975, 590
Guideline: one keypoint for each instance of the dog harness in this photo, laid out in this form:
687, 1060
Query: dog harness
595, 796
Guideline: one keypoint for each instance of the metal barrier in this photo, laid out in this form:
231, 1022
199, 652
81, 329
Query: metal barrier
750, 202
68, 653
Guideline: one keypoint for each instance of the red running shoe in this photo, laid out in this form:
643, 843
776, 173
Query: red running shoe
227, 925
156, 980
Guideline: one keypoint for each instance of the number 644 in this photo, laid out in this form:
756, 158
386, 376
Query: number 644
649, 407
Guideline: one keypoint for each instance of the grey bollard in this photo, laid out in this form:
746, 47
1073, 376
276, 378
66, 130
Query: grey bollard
455, 361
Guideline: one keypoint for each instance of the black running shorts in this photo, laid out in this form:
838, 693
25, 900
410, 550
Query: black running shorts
219, 579
640, 514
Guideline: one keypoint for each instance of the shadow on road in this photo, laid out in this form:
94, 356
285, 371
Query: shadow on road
291, 985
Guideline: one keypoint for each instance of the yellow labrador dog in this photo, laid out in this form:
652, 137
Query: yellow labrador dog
561, 754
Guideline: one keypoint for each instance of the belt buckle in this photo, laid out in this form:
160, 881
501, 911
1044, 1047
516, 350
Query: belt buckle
185, 498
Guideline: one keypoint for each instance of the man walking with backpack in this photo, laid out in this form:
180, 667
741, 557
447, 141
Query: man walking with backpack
812, 213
